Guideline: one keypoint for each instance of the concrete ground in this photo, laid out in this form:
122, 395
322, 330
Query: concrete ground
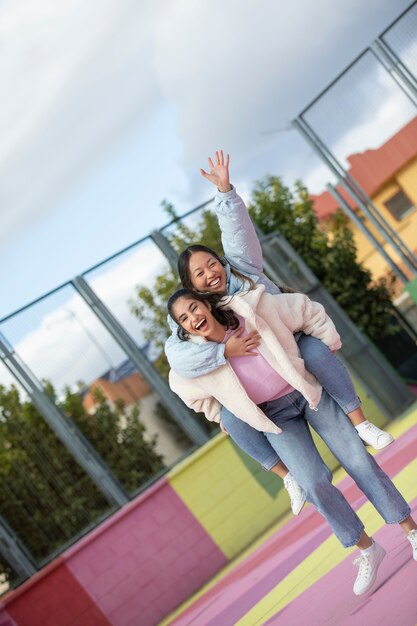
298, 574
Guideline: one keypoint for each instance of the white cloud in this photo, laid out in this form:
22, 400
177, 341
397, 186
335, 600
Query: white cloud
69, 343
243, 67
78, 75
385, 113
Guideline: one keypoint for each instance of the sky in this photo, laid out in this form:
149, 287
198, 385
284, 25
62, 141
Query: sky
110, 106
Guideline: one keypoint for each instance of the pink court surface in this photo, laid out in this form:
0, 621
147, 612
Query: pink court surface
299, 574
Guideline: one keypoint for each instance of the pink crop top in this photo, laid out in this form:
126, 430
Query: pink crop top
260, 381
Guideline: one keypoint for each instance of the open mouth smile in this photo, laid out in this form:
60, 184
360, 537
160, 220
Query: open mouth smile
214, 283
201, 325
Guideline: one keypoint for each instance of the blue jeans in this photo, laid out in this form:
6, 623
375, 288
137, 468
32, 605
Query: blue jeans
296, 448
331, 374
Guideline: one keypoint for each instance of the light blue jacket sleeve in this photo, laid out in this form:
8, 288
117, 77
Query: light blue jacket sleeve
243, 250
239, 239
188, 359
241, 245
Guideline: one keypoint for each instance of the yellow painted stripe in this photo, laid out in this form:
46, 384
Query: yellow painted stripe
224, 495
396, 428
324, 558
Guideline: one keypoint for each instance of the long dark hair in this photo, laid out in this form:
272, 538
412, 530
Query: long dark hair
225, 317
184, 266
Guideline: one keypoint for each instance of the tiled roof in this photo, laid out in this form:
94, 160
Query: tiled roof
373, 168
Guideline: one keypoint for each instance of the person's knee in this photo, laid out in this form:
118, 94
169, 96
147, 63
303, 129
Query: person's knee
360, 462
317, 485
321, 493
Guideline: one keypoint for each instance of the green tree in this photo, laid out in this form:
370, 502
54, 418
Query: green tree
149, 303
367, 302
118, 436
329, 251
275, 207
45, 496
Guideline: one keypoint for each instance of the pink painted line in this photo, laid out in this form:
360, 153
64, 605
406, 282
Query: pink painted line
260, 562
331, 601
229, 601
260, 572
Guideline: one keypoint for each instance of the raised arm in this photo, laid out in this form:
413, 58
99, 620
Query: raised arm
239, 239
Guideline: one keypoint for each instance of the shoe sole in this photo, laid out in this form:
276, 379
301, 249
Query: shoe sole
300, 508
385, 445
381, 557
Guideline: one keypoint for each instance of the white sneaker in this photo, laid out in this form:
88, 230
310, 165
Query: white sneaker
375, 437
295, 492
412, 538
368, 567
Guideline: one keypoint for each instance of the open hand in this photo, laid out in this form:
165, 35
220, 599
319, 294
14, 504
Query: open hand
219, 172
242, 346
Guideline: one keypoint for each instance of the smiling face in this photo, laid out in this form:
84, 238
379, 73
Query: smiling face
206, 273
196, 318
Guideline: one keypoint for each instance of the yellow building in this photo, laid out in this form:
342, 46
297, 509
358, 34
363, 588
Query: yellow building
388, 175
